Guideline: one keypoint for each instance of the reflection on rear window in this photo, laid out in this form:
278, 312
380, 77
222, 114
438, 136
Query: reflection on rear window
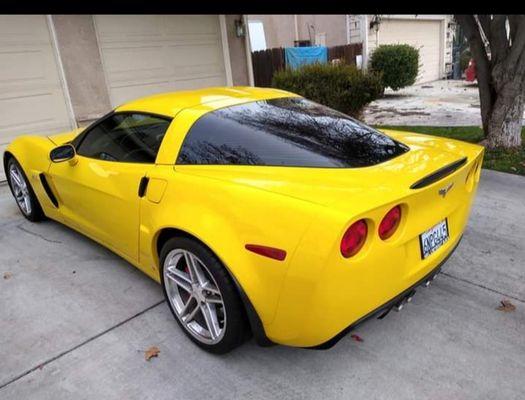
285, 132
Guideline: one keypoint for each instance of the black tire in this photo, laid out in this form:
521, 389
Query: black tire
236, 329
36, 214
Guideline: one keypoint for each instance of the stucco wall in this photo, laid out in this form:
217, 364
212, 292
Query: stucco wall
279, 30
77, 43
237, 48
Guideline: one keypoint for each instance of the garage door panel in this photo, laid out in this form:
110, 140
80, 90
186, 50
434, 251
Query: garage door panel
196, 25
39, 115
20, 65
32, 99
117, 27
123, 64
121, 94
159, 53
188, 84
19, 29
196, 55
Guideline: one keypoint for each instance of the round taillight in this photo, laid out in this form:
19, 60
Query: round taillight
389, 223
354, 238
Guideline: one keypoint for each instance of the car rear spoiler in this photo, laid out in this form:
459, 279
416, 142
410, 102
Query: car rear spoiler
439, 174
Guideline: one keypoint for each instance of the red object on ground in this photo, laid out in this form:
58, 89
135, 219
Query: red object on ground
470, 72
357, 338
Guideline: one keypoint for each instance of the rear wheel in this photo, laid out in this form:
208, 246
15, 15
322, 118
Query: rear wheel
23, 192
202, 296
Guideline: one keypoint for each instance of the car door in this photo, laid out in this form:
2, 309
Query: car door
98, 189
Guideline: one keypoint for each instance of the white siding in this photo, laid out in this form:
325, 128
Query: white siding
354, 26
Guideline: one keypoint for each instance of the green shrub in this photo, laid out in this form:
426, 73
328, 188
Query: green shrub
342, 87
397, 63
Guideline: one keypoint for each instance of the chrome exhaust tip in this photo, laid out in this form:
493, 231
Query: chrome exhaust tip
399, 307
427, 283
409, 299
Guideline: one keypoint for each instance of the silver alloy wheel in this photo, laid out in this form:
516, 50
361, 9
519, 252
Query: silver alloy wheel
195, 296
20, 188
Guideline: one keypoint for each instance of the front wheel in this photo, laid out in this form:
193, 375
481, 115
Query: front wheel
23, 192
202, 296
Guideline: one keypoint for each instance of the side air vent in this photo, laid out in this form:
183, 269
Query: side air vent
439, 174
48, 190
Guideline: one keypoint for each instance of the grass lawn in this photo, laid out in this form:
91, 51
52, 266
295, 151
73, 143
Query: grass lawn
500, 160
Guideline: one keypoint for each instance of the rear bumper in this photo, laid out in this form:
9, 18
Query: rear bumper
385, 308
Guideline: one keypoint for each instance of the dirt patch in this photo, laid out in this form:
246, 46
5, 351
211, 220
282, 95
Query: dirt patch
396, 95
395, 111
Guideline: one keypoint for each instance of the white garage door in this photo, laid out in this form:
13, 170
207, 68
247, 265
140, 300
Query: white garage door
148, 54
422, 34
31, 95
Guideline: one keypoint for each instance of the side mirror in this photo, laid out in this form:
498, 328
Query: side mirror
62, 153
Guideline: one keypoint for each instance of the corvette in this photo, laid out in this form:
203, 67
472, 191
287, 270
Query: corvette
259, 211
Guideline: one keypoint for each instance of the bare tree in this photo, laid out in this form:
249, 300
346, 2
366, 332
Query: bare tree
497, 44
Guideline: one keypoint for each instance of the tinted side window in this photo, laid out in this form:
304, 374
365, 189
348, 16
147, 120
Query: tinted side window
285, 132
132, 137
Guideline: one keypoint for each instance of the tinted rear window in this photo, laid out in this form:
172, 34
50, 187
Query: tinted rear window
285, 132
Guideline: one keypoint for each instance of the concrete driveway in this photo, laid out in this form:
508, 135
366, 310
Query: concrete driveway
439, 103
75, 321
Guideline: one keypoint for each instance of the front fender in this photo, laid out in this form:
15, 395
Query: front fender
32, 153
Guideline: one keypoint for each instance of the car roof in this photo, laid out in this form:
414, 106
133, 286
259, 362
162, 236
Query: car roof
169, 104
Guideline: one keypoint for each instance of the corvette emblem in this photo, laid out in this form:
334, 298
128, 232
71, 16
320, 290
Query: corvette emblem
443, 192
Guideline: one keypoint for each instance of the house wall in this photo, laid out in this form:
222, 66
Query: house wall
237, 47
334, 26
279, 30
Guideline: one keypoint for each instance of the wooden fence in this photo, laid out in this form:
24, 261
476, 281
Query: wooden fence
267, 62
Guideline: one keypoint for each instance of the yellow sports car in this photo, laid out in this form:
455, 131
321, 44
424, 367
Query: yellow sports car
258, 210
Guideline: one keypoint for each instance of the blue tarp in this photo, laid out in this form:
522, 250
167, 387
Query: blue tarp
297, 56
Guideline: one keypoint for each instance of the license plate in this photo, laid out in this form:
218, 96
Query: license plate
433, 238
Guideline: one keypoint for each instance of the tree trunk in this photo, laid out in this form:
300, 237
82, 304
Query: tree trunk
504, 125
500, 73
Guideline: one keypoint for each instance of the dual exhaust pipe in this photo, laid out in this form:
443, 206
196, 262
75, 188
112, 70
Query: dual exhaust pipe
408, 298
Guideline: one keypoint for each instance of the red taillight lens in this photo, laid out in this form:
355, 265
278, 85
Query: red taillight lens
389, 223
354, 238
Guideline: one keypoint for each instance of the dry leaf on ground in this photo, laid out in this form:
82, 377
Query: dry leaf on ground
8, 275
357, 338
506, 306
153, 351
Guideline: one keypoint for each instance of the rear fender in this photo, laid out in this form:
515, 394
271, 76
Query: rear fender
225, 217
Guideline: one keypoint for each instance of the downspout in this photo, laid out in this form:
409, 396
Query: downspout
347, 17
296, 27
364, 37
248, 47
226, 50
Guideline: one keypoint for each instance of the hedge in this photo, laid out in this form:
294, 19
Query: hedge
342, 87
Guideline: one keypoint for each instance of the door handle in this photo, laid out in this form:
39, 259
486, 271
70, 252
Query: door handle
143, 185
